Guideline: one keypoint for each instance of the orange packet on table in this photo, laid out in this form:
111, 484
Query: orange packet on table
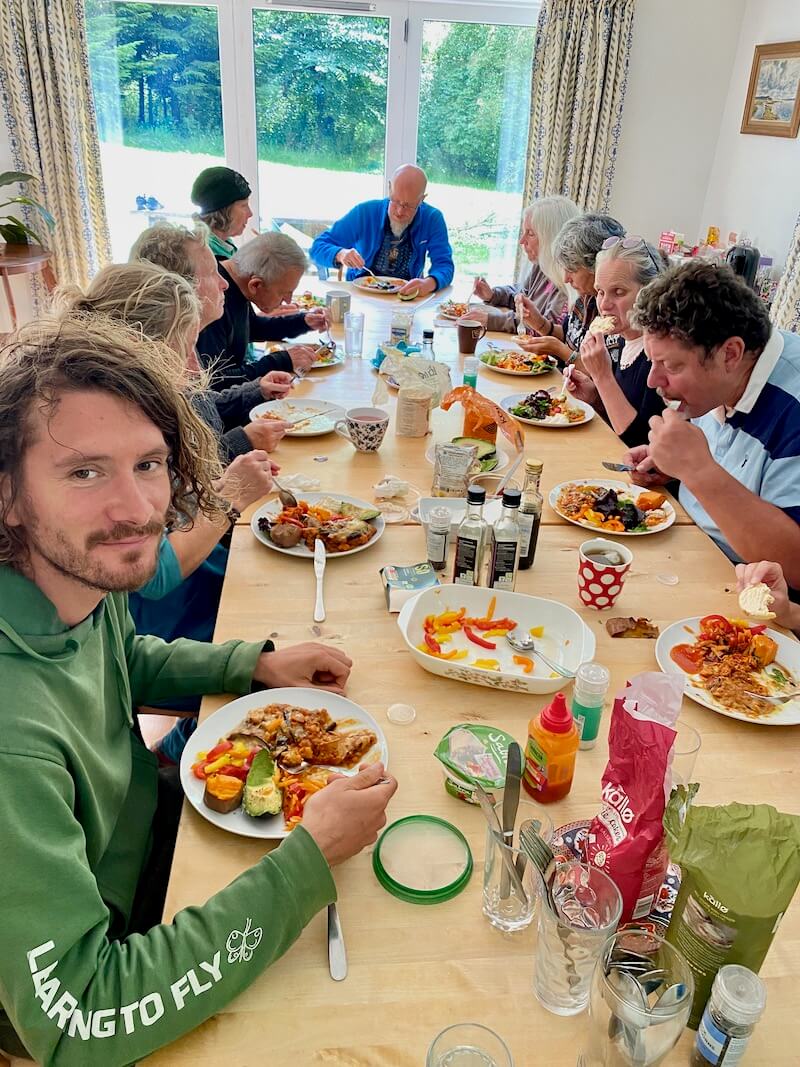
482, 417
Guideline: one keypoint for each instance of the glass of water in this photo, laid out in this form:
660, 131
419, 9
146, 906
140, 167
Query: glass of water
353, 333
573, 928
469, 1045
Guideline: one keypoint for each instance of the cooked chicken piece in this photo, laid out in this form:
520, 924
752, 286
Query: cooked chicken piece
343, 750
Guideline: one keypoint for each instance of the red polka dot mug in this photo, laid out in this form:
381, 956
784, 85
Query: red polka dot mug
602, 566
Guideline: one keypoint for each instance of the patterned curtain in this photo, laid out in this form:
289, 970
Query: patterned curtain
580, 71
785, 313
49, 109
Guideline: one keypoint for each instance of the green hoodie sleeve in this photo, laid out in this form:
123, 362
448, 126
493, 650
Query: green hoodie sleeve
158, 670
78, 999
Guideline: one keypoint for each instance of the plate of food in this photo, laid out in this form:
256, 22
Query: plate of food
309, 418
487, 457
250, 767
344, 524
515, 361
379, 284
452, 309
458, 632
307, 301
327, 356
548, 407
725, 660
613, 507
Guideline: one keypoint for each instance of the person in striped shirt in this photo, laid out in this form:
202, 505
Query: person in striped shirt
732, 437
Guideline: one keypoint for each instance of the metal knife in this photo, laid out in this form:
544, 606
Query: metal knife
319, 570
510, 806
626, 467
337, 957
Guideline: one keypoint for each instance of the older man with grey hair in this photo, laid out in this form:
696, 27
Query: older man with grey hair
264, 273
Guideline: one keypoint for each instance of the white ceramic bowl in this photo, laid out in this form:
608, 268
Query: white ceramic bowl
566, 639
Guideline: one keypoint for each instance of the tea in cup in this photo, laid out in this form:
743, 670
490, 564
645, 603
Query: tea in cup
602, 566
364, 428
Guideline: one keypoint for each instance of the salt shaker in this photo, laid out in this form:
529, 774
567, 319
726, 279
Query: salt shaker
438, 537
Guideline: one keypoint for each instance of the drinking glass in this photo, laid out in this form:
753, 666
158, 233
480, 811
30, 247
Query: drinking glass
684, 754
573, 928
468, 1045
641, 996
353, 333
507, 904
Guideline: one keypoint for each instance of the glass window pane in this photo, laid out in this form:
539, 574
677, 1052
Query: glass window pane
473, 132
156, 79
321, 85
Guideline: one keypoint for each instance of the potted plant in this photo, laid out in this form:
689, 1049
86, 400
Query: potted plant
12, 229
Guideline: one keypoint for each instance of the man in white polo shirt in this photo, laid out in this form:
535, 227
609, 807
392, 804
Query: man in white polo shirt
734, 439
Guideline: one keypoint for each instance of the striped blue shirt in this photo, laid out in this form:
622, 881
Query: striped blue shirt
758, 442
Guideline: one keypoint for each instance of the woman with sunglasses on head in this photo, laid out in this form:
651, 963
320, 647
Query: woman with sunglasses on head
614, 369
574, 250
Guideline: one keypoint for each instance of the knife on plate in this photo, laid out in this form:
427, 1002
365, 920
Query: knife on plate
510, 807
337, 956
319, 570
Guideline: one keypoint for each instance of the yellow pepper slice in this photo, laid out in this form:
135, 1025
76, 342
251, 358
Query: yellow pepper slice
492, 605
494, 633
443, 636
486, 664
536, 631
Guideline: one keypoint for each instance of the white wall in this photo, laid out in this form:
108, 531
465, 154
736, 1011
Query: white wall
755, 181
19, 285
680, 69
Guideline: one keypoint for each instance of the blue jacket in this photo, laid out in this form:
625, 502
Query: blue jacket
362, 228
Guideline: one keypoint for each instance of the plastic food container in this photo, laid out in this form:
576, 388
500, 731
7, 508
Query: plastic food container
422, 860
471, 754
566, 639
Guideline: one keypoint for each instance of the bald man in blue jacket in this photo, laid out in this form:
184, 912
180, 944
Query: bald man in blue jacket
392, 237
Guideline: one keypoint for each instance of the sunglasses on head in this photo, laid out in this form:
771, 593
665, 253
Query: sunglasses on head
632, 241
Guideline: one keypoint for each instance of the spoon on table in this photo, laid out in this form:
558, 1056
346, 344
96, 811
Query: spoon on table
523, 642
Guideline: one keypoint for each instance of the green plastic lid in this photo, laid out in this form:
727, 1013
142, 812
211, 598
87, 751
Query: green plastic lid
422, 859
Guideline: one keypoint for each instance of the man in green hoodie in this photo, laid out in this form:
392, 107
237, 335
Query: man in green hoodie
98, 449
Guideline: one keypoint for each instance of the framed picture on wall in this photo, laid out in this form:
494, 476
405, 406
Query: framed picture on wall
773, 96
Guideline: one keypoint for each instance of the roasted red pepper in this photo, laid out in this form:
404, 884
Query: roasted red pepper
217, 750
433, 644
756, 630
712, 624
234, 772
478, 640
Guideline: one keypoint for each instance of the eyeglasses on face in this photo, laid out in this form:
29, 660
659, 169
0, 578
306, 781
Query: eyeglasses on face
404, 205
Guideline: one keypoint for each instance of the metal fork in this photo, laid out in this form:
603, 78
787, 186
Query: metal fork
540, 852
782, 698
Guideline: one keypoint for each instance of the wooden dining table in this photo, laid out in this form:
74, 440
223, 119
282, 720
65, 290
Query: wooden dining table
415, 970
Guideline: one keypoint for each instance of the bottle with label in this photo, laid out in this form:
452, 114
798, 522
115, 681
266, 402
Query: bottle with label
550, 752
401, 328
438, 538
427, 345
471, 540
505, 544
588, 696
471, 371
530, 513
737, 1000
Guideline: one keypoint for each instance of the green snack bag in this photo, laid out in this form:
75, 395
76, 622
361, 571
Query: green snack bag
740, 866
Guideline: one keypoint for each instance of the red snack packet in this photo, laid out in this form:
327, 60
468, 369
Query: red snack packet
626, 840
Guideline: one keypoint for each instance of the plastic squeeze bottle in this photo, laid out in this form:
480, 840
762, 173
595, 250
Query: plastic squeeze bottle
553, 740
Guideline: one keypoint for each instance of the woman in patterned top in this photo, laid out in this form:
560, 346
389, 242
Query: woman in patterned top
574, 250
614, 370
544, 285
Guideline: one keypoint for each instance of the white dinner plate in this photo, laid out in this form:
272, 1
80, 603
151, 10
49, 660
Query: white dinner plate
322, 416
550, 423
338, 359
685, 633
502, 458
546, 368
444, 311
632, 491
367, 283
274, 507
217, 726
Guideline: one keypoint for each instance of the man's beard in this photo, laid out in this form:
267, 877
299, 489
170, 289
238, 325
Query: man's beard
398, 228
134, 569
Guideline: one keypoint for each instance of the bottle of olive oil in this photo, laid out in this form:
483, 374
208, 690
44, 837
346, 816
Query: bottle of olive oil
530, 513
505, 544
471, 540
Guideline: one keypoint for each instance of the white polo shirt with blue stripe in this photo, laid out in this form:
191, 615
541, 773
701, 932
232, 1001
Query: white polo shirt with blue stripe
758, 441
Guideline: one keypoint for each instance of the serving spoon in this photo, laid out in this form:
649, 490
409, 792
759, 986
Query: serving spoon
523, 642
